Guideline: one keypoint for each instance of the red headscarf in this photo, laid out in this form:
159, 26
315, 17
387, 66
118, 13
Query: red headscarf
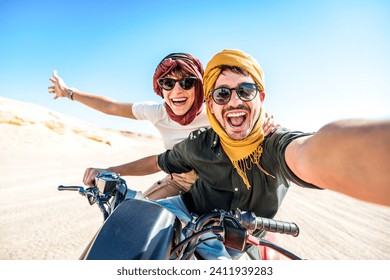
192, 66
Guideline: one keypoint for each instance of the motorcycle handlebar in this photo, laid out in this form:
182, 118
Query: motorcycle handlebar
246, 218
277, 226
252, 222
70, 188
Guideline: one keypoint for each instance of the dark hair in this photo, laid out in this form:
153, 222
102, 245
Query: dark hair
234, 69
178, 72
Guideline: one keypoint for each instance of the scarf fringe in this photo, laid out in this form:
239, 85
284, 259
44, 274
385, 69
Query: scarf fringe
241, 165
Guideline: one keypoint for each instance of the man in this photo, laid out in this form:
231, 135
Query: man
239, 168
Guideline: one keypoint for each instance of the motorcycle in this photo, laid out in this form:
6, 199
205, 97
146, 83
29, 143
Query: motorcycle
135, 228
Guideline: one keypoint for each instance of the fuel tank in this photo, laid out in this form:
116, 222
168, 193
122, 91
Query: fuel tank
136, 230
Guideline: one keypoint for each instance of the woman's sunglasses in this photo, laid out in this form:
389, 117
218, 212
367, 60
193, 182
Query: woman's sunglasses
185, 83
246, 92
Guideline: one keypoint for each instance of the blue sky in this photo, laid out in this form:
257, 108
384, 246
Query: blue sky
323, 60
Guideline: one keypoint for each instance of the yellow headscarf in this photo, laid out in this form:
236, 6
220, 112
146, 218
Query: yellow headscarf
238, 151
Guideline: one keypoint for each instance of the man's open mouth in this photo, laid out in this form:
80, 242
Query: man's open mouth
236, 120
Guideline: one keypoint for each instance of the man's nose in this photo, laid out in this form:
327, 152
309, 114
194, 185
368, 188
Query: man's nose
234, 99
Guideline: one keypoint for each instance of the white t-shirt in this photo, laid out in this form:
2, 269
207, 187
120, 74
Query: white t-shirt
171, 131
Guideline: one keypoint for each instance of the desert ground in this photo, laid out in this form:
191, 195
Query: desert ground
41, 149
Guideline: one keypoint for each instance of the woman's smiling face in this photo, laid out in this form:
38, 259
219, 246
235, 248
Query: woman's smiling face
179, 99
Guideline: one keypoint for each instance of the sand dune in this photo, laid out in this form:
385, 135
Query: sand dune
41, 149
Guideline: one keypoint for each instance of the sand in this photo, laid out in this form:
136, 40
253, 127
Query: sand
41, 149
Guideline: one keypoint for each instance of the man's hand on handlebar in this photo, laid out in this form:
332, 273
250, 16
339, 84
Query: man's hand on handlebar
90, 174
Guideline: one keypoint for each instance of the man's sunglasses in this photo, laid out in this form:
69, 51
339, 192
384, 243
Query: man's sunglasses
185, 83
246, 92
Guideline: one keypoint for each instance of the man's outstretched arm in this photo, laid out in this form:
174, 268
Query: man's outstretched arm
351, 157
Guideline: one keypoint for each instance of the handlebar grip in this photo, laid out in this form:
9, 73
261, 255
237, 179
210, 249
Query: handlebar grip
70, 188
277, 226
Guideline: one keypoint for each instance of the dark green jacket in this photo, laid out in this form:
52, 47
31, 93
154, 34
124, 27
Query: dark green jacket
219, 186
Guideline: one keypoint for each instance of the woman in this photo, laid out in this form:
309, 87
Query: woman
178, 79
